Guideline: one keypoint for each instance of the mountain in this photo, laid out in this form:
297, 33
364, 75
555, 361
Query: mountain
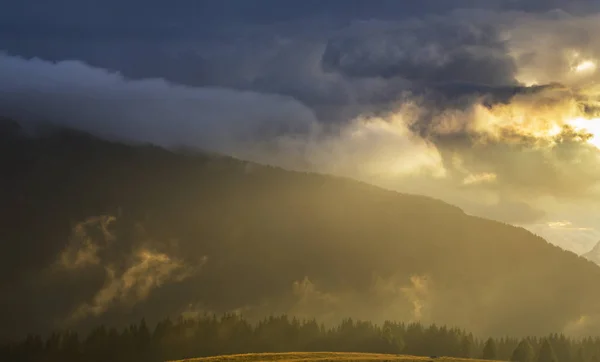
93, 231
593, 254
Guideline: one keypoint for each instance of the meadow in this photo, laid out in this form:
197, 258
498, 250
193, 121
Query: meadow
323, 357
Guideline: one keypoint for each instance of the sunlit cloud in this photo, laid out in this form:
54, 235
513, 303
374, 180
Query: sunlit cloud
585, 66
418, 293
87, 239
539, 119
148, 271
588, 125
370, 147
566, 225
479, 178
129, 276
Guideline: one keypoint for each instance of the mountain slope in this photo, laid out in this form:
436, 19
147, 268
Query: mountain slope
93, 231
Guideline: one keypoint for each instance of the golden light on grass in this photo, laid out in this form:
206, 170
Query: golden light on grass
324, 357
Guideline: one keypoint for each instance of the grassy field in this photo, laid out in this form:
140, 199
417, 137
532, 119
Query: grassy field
323, 357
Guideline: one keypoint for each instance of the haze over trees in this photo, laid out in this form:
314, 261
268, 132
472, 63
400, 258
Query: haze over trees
523, 353
232, 334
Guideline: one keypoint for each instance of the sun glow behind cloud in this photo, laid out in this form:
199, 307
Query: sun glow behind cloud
585, 66
588, 125
580, 63
542, 122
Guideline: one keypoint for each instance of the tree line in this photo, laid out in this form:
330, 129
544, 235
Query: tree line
231, 334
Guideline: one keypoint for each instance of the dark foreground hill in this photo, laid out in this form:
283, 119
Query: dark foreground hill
99, 232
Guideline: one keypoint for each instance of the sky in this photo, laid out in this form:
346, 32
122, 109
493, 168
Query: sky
493, 106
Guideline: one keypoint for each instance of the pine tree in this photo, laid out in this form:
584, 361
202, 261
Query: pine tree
579, 356
142, 340
546, 353
523, 352
71, 346
466, 347
489, 350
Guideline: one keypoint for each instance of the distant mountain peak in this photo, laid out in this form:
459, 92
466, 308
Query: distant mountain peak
593, 254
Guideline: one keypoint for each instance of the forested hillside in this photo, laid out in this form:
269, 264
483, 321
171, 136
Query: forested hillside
101, 232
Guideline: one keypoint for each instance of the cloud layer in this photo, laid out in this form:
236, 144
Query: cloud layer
477, 107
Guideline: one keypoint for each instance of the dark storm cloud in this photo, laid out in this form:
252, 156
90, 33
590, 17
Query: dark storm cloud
233, 44
295, 67
432, 50
75, 95
140, 17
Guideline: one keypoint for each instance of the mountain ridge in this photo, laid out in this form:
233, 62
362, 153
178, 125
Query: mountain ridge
170, 233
